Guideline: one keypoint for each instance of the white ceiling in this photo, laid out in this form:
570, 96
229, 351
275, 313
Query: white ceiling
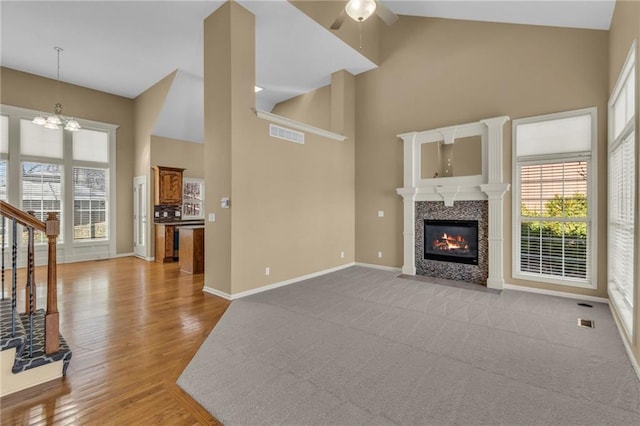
124, 47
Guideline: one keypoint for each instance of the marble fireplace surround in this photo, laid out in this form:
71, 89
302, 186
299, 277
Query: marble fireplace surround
487, 186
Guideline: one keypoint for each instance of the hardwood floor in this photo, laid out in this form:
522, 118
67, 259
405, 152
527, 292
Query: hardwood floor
132, 326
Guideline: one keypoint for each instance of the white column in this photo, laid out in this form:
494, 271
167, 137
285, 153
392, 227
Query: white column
409, 232
494, 135
495, 192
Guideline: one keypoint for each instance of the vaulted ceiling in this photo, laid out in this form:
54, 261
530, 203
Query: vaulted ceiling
125, 47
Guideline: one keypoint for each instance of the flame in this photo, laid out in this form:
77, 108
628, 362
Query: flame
448, 242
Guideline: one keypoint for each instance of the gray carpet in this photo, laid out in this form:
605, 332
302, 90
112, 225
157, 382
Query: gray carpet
366, 347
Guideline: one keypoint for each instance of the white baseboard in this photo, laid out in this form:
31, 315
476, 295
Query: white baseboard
625, 341
556, 293
123, 255
216, 292
242, 294
380, 267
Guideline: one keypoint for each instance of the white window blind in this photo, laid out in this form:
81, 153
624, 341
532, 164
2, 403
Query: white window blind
622, 175
621, 218
554, 221
40, 142
554, 136
4, 134
42, 193
91, 145
3, 180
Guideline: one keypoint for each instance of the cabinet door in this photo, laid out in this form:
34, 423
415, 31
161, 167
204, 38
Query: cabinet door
170, 187
168, 242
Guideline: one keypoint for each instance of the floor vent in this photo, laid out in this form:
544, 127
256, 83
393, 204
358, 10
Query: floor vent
286, 134
586, 323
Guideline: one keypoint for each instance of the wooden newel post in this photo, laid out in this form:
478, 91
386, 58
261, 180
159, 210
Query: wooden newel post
52, 323
30, 287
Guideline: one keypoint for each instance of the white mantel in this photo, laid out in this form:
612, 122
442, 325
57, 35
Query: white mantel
487, 186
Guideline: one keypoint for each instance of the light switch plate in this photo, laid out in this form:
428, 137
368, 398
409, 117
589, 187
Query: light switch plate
212, 217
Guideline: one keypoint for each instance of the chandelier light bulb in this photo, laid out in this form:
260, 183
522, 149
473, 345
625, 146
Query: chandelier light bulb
360, 10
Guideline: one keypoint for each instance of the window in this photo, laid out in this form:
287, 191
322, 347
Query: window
4, 151
70, 173
621, 245
192, 198
90, 185
90, 218
553, 199
42, 193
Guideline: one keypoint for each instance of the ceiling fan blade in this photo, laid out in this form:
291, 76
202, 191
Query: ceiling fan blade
387, 16
339, 20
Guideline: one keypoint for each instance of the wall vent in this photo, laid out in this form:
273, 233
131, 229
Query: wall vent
586, 323
286, 134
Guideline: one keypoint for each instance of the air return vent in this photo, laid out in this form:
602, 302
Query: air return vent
586, 323
286, 134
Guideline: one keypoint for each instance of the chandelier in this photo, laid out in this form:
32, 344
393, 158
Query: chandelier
57, 120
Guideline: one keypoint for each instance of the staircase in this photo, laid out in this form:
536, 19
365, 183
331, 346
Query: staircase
32, 350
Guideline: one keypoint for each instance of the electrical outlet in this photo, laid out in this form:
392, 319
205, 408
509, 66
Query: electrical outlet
380, 213
212, 217
379, 255
267, 270
342, 254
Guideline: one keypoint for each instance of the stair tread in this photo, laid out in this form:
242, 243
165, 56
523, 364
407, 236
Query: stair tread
22, 344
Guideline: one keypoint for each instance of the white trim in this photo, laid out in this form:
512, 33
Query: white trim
592, 196
488, 186
556, 293
242, 294
379, 267
216, 292
625, 340
274, 118
118, 255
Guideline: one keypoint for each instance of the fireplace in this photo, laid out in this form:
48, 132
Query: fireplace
451, 241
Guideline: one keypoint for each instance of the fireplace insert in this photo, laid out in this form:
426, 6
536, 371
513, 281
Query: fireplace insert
451, 241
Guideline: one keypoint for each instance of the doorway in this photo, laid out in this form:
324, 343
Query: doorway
140, 216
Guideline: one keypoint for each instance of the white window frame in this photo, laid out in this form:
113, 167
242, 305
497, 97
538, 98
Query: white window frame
69, 250
629, 70
200, 201
592, 197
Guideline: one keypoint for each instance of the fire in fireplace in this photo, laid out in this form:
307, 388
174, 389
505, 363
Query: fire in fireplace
451, 241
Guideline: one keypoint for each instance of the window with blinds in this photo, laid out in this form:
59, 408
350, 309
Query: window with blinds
4, 151
90, 188
90, 204
553, 200
621, 245
41, 193
554, 220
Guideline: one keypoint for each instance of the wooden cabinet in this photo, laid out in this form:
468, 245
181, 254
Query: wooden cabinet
192, 249
167, 189
165, 248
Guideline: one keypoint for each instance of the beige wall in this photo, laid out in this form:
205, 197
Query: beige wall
438, 72
147, 107
325, 13
171, 152
625, 29
292, 206
312, 108
38, 93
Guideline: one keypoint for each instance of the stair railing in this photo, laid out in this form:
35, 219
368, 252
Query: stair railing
51, 227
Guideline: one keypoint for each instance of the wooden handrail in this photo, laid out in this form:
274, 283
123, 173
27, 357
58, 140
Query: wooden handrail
51, 227
23, 218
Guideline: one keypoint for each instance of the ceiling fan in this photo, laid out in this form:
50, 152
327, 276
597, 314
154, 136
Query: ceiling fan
360, 10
